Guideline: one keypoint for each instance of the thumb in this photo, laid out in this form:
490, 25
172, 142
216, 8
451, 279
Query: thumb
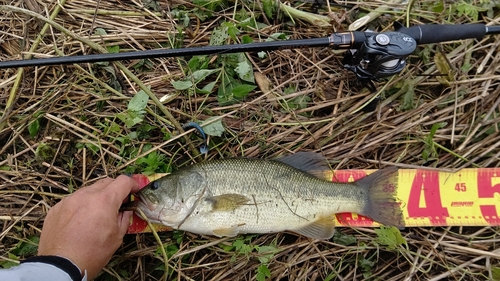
124, 222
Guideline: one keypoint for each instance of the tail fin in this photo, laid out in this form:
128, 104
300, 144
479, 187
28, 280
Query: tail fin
382, 205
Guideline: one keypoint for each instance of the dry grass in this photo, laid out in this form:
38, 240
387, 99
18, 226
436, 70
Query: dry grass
75, 146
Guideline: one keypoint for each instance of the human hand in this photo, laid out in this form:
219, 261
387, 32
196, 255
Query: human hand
86, 226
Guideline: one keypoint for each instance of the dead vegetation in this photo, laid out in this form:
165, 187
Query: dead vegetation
60, 130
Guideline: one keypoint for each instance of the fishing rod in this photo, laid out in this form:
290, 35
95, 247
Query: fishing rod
373, 55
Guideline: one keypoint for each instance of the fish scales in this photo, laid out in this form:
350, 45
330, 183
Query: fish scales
232, 196
279, 197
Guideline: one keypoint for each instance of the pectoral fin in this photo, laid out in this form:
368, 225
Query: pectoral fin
230, 232
322, 228
227, 202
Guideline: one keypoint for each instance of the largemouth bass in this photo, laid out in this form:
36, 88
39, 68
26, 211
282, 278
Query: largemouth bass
239, 195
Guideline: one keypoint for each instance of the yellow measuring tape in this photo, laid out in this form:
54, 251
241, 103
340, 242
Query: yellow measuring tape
470, 197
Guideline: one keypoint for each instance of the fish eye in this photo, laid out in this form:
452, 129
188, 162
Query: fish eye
155, 185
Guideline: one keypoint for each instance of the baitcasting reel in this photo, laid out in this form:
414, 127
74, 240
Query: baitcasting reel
380, 55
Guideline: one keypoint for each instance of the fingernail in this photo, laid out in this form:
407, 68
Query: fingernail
141, 180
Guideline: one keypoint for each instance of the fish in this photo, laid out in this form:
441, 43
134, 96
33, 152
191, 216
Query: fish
232, 196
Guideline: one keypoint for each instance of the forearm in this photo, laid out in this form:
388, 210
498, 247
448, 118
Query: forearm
43, 268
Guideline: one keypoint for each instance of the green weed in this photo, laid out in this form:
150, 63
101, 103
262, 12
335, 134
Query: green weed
264, 254
154, 162
34, 126
44, 152
231, 73
429, 146
25, 247
344, 239
390, 237
469, 9
135, 110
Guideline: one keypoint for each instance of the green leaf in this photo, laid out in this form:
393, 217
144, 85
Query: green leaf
269, 7
44, 152
242, 90
198, 62
28, 247
170, 249
495, 272
299, 102
344, 239
241, 247
202, 14
152, 163
8, 264
277, 36
219, 36
470, 10
113, 49
436, 127
438, 7
443, 65
266, 253
143, 65
408, 92
207, 89
366, 266
289, 90
201, 74
139, 101
389, 236
245, 39
245, 71
130, 118
232, 30
215, 128
34, 127
330, 276
263, 273
4, 168
100, 31
182, 84
114, 127
429, 147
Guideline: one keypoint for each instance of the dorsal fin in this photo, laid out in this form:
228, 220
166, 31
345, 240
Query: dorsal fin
310, 162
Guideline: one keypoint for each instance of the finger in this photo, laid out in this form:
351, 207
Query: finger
100, 184
124, 222
120, 188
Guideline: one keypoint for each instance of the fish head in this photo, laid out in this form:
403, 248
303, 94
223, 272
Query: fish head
171, 199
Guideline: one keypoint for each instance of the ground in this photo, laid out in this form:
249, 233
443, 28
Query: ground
63, 127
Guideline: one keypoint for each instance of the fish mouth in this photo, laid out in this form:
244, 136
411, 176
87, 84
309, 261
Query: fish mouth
148, 210
144, 204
